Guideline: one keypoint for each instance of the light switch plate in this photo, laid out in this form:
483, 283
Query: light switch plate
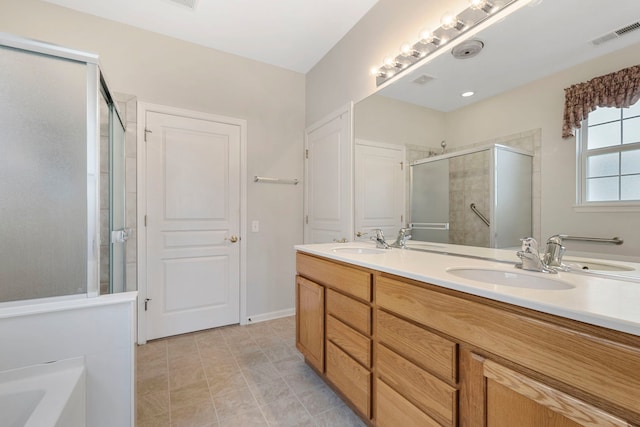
255, 226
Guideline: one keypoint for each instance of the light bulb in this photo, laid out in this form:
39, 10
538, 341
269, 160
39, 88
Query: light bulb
374, 71
485, 5
427, 36
406, 49
389, 61
467, 94
449, 21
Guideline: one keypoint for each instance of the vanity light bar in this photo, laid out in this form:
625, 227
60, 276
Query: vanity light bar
451, 27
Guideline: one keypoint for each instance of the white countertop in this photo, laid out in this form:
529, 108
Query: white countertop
595, 299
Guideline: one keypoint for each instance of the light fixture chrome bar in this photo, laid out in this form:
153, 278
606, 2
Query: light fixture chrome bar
419, 51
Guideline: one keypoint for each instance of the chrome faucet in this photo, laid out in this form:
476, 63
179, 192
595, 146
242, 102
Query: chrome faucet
554, 251
379, 239
531, 257
401, 240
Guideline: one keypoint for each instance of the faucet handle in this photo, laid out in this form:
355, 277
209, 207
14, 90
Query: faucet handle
529, 244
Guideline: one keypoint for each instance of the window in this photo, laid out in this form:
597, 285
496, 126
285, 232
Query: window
609, 156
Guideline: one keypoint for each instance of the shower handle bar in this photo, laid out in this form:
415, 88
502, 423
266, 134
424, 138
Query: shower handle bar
614, 240
480, 215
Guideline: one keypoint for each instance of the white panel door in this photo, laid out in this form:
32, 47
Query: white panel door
380, 182
329, 178
193, 208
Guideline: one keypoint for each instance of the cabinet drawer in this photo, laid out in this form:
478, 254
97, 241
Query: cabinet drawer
350, 311
348, 280
430, 351
433, 396
354, 343
350, 377
393, 410
605, 369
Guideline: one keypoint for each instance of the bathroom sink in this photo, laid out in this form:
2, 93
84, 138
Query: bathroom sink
359, 251
514, 279
595, 266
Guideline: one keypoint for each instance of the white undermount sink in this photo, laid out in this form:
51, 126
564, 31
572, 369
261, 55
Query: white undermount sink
358, 250
513, 279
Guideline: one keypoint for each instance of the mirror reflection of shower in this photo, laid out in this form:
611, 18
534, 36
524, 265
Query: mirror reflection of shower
477, 197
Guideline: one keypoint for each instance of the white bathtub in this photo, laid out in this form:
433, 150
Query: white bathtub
47, 395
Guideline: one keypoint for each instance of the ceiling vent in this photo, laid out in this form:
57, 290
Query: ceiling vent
423, 79
615, 34
189, 4
467, 49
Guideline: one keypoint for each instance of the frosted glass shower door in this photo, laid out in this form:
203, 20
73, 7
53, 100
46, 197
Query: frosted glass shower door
119, 234
430, 201
43, 176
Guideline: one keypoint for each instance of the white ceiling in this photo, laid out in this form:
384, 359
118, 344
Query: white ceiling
533, 42
292, 34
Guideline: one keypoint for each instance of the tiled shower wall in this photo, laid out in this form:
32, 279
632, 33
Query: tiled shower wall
469, 182
128, 106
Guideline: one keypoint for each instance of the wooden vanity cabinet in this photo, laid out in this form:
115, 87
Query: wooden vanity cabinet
310, 321
553, 369
418, 365
347, 327
445, 358
512, 398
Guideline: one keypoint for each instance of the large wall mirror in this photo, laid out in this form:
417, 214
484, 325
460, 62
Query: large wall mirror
517, 79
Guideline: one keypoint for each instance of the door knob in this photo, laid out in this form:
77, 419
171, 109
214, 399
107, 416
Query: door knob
232, 239
360, 234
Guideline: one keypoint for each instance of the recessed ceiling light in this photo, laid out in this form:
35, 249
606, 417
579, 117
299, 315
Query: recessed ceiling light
467, 94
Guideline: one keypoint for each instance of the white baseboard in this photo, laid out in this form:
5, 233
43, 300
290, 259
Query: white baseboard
270, 316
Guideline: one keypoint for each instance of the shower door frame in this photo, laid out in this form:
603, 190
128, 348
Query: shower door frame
115, 120
93, 76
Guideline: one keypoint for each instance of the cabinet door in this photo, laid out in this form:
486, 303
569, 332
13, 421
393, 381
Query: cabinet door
310, 321
514, 399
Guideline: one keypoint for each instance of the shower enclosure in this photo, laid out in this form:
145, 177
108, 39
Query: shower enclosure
61, 174
476, 197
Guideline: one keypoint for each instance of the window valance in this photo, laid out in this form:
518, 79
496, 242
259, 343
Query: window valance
620, 89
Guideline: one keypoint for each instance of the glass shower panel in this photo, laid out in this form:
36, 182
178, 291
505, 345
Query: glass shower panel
117, 203
43, 176
513, 203
430, 201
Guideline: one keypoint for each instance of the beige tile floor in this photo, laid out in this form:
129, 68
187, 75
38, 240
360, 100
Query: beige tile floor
244, 376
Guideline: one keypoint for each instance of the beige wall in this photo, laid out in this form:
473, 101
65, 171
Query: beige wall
162, 70
383, 119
